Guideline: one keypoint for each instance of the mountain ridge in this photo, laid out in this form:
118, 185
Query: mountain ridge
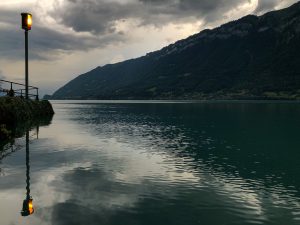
254, 57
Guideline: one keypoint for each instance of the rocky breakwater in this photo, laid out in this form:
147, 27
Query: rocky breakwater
15, 111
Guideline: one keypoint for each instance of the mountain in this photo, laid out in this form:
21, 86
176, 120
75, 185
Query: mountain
250, 58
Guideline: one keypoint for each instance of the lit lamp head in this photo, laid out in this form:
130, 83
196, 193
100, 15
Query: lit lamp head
27, 207
26, 21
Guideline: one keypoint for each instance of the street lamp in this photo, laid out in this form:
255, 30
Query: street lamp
26, 25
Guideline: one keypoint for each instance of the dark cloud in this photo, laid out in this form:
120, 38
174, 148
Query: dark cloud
93, 24
45, 42
100, 16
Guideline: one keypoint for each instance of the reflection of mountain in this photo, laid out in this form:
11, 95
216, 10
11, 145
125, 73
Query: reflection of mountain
253, 57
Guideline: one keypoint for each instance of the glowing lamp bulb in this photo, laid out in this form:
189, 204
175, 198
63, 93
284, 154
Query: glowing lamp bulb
26, 21
30, 206
29, 20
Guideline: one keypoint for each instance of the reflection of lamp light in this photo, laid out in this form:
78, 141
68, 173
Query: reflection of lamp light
27, 207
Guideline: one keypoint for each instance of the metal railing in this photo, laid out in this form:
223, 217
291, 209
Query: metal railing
14, 89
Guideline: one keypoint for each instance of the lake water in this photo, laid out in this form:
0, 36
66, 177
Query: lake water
135, 163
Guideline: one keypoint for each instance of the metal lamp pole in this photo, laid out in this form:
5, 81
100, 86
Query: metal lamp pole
26, 64
26, 25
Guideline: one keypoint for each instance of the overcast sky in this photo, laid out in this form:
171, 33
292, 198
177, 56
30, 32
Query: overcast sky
71, 37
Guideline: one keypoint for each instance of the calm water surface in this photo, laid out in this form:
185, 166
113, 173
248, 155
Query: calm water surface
119, 163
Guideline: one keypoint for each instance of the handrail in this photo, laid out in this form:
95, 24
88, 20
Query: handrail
12, 92
17, 83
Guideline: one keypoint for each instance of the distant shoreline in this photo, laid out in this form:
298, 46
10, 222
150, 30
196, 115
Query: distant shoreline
267, 96
170, 101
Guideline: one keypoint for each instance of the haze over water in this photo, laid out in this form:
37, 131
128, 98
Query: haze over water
185, 163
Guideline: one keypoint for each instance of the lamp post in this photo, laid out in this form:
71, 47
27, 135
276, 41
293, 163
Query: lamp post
26, 25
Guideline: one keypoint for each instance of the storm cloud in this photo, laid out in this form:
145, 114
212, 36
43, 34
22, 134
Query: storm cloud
88, 24
45, 42
103, 16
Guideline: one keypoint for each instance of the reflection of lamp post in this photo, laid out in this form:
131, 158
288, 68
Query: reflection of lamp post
27, 203
26, 25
